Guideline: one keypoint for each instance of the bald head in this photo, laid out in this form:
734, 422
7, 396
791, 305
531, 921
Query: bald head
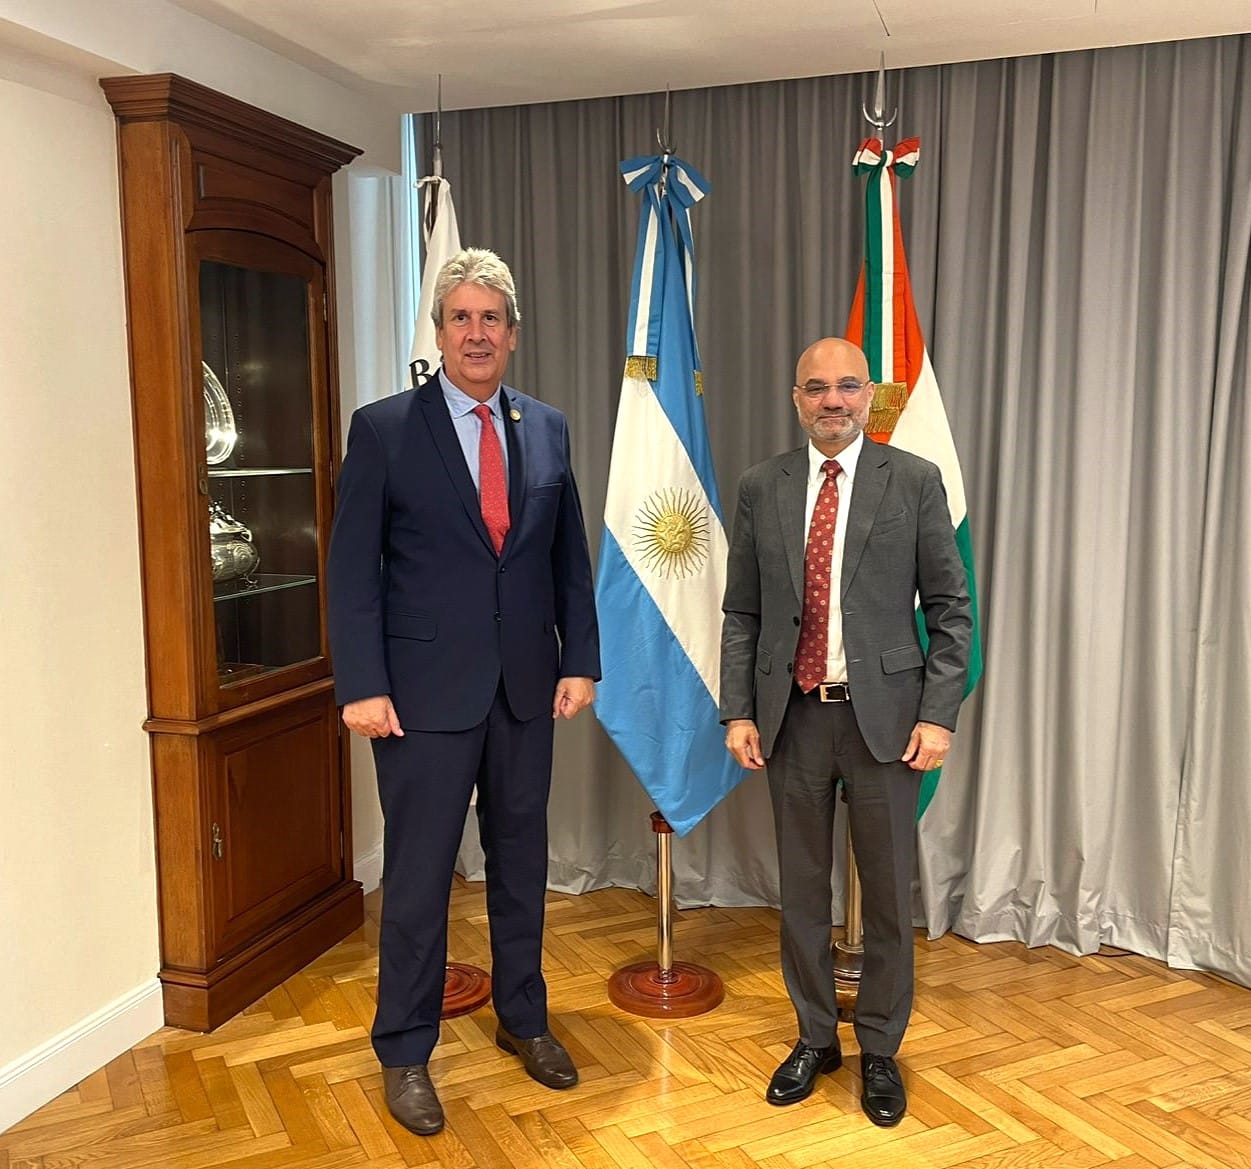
836, 350
832, 393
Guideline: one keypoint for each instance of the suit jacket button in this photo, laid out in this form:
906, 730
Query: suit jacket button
789, 666
795, 619
498, 617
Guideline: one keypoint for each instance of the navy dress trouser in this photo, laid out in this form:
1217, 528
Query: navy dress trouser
425, 780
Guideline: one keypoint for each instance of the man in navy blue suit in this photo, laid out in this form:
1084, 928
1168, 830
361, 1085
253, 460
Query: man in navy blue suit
462, 623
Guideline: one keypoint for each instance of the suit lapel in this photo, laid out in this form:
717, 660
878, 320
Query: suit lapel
872, 475
515, 436
792, 489
443, 433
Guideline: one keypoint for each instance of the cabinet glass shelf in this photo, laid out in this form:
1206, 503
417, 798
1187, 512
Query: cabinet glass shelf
265, 582
252, 472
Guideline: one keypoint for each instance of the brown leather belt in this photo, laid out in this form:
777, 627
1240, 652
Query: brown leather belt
833, 692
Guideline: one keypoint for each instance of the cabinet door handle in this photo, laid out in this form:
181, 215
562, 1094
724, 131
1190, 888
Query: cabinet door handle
217, 842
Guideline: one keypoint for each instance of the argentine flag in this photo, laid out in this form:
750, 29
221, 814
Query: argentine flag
662, 558
907, 408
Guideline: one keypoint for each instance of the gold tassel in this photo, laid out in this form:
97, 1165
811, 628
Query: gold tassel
641, 367
699, 383
889, 400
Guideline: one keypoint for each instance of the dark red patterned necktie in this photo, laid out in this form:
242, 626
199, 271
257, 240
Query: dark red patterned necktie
492, 486
814, 629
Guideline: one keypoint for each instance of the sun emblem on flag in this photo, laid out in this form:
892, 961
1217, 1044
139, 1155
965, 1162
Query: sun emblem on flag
671, 532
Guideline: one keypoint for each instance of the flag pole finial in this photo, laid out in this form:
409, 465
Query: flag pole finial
878, 119
664, 139
438, 131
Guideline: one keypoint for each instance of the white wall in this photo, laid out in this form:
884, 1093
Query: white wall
78, 914
77, 872
154, 36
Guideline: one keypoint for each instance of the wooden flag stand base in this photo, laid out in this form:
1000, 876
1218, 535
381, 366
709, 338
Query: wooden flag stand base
465, 989
665, 989
849, 949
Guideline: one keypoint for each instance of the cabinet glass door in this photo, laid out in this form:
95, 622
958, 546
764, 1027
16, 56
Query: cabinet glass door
261, 514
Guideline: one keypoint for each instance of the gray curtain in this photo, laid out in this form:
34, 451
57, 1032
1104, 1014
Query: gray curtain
1078, 233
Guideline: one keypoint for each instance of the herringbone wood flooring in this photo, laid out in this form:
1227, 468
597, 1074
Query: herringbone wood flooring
1015, 1058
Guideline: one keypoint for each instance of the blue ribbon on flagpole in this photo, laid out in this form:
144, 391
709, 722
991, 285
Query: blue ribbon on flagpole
671, 187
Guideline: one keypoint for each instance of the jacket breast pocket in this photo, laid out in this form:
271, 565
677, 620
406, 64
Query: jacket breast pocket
414, 626
906, 657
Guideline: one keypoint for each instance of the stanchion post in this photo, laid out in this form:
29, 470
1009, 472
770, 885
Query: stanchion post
664, 900
465, 989
665, 989
849, 949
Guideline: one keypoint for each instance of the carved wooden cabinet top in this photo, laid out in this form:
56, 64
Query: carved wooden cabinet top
168, 97
247, 169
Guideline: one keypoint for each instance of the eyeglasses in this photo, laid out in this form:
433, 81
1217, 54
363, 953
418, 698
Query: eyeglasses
814, 391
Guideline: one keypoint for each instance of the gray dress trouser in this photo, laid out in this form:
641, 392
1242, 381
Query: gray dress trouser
819, 743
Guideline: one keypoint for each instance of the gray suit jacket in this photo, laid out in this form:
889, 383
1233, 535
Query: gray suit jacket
899, 545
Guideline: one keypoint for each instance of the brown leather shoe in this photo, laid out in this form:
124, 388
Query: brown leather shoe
544, 1057
411, 1099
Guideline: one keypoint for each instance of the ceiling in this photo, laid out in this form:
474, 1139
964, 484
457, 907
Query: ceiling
506, 52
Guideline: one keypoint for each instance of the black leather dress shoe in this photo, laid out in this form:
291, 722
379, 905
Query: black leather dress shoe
797, 1073
544, 1057
411, 1099
882, 1092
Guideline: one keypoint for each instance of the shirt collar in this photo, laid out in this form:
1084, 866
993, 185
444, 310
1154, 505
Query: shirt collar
847, 458
460, 403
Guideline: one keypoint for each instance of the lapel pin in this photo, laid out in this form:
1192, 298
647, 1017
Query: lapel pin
515, 415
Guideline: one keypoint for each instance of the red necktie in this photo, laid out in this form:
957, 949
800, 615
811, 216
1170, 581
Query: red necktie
492, 487
814, 629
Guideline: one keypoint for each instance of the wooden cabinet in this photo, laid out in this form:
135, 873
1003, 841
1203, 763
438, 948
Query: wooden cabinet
226, 221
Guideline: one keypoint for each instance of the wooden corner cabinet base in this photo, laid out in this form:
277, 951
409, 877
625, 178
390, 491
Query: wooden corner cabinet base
199, 1002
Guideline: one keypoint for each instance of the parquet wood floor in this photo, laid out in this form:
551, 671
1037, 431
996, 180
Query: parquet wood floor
1015, 1059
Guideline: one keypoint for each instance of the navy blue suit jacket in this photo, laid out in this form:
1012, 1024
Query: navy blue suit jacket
420, 606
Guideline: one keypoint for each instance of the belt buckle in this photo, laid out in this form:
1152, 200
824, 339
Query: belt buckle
834, 692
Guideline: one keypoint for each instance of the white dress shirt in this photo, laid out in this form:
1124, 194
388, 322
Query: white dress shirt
835, 658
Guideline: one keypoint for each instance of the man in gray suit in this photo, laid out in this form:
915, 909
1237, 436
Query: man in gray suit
824, 678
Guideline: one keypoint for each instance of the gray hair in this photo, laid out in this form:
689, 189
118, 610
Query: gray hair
475, 266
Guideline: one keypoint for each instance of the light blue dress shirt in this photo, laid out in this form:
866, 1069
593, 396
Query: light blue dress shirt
468, 429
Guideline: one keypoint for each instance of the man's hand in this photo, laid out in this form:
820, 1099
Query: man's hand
927, 747
572, 694
742, 740
375, 718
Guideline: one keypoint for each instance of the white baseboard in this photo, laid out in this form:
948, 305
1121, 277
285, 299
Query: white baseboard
367, 868
41, 1075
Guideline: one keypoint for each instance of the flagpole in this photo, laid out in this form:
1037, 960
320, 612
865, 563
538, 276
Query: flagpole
662, 568
422, 364
665, 989
849, 949
438, 133
666, 142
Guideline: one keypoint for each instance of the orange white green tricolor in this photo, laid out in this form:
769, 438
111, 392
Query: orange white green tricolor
884, 324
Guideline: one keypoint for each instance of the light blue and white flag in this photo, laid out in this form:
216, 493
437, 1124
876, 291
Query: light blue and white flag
662, 558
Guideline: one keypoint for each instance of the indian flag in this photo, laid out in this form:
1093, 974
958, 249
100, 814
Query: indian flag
908, 408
